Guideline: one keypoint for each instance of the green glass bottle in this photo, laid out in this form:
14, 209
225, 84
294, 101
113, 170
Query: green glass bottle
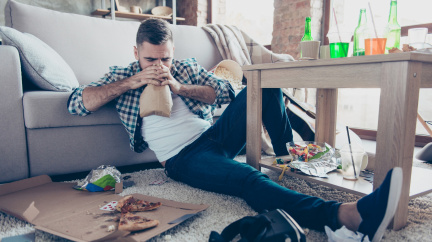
307, 33
359, 34
393, 37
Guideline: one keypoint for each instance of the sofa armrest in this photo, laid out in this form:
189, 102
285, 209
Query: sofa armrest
13, 148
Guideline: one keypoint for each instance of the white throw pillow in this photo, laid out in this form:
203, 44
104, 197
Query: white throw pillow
42, 65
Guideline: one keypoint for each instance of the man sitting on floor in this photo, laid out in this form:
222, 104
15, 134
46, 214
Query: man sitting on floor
200, 154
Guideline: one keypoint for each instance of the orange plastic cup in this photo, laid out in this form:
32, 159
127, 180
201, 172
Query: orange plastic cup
375, 46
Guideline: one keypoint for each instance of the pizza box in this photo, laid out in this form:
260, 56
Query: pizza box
57, 208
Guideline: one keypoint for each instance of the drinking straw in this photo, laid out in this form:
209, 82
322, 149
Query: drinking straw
337, 27
352, 158
373, 23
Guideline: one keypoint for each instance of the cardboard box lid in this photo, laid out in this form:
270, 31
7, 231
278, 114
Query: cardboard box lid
57, 208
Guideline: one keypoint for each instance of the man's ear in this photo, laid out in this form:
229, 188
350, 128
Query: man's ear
136, 53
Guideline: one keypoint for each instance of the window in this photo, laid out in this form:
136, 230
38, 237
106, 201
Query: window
254, 17
359, 107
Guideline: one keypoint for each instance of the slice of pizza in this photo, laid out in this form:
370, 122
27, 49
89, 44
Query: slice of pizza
131, 222
131, 204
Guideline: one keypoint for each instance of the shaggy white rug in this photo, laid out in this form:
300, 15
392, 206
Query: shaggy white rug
226, 209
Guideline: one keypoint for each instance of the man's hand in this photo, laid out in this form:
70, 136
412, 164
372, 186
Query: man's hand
201, 93
149, 75
165, 77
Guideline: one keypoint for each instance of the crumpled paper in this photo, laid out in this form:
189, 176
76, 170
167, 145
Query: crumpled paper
100, 179
344, 234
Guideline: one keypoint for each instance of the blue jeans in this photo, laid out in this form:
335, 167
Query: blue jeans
208, 164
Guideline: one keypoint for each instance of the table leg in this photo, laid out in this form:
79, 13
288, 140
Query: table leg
254, 118
326, 116
400, 84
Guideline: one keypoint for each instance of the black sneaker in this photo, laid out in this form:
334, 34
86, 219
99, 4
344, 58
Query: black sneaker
378, 208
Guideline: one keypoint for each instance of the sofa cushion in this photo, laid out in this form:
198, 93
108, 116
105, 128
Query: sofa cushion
45, 109
41, 64
91, 44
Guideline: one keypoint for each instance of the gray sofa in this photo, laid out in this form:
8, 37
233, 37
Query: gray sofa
37, 134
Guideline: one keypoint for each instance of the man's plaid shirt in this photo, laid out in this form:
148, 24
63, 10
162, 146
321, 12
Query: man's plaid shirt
185, 71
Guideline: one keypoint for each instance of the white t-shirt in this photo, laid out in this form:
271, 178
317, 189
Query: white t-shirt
167, 136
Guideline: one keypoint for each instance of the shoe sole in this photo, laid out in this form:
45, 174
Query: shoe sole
392, 203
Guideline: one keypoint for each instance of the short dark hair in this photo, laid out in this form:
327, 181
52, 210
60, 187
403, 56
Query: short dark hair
154, 31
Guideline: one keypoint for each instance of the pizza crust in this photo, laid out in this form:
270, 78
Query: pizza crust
131, 222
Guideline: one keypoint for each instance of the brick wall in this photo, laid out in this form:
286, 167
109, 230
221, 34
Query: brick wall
188, 9
219, 11
202, 13
288, 24
195, 12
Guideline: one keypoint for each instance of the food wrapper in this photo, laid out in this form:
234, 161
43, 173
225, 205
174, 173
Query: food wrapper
100, 179
324, 162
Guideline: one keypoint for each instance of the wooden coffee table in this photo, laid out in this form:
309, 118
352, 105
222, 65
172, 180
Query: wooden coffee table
400, 76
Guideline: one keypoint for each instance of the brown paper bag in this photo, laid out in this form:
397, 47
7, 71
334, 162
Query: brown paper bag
155, 100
